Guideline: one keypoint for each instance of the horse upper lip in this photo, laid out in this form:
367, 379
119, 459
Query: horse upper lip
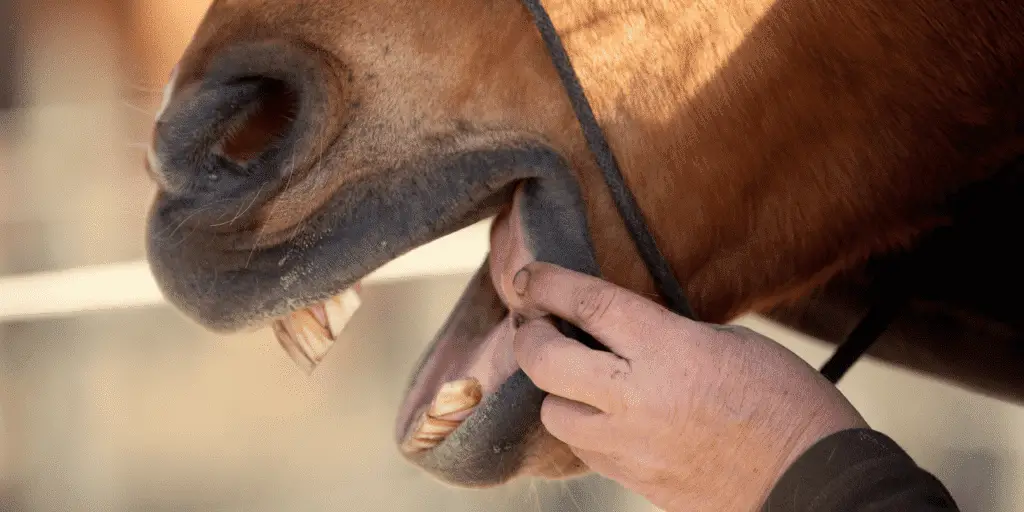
365, 226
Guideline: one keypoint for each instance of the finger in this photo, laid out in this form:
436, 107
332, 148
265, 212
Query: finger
564, 367
573, 423
625, 322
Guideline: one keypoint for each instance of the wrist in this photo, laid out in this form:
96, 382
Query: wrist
827, 422
758, 465
762, 460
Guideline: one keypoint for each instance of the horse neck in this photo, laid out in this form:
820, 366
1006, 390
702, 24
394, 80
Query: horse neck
772, 144
642, 65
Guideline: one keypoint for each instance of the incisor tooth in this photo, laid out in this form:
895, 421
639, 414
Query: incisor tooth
428, 434
430, 426
311, 334
415, 445
435, 424
291, 347
308, 334
304, 339
456, 396
340, 309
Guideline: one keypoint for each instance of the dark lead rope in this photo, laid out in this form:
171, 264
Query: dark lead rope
866, 332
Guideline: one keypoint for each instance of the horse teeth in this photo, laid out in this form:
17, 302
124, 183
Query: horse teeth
444, 415
428, 433
291, 346
311, 337
308, 334
340, 309
416, 445
455, 397
430, 427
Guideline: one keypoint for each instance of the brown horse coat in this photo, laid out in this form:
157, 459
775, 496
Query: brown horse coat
775, 147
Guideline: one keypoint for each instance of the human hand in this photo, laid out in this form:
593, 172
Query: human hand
692, 416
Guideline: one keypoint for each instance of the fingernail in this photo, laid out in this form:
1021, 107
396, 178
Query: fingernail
517, 320
521, 279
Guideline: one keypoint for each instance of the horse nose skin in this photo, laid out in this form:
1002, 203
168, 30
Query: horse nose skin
219, 135
237, 111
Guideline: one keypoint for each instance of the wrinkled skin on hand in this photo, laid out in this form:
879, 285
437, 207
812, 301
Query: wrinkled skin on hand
692, 416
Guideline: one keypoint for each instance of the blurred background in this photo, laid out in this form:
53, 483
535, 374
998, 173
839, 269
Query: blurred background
131, 407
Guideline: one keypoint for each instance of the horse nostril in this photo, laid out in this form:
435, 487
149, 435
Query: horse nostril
222, 136
260, 124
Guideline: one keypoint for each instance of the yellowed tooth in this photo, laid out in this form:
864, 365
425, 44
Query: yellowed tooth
428, 433
307, 335
428, 427
412, 445
455, 397
312, 336
437, 438
291, 347
340, 309
304, 339
436, 424
431, 426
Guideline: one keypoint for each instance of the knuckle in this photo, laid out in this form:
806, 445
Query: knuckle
618, 375
619, 369
535, 354
535, 358
527, 344
595, 303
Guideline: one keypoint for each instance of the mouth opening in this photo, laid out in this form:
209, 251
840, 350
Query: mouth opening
474, 343
535, 202
476, 340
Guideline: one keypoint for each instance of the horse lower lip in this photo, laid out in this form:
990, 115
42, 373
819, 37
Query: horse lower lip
451, 356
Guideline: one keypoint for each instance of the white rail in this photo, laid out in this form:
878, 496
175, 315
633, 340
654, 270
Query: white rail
131, 285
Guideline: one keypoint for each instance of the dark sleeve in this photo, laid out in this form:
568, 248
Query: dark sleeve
854, 470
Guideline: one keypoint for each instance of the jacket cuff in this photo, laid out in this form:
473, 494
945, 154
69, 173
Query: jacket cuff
848, 470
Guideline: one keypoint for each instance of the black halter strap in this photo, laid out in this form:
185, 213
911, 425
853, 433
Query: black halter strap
664, 279
859, 340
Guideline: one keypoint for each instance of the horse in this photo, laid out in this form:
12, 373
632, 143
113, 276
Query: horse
800, 159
